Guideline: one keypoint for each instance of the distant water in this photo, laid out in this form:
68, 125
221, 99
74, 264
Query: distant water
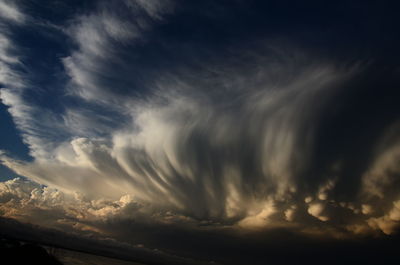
68, 257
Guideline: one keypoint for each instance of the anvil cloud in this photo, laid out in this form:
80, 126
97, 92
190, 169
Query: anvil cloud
139, 122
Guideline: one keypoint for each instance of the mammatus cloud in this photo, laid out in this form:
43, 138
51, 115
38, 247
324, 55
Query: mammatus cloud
242, 142
242, 164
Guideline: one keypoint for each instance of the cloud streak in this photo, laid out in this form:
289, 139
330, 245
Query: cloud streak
9, 11
257, 138
244, 162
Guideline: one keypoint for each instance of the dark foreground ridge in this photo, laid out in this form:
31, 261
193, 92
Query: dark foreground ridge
15, 252
14, 231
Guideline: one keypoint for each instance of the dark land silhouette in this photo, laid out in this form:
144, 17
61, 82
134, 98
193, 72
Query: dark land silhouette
24, 241
16, 252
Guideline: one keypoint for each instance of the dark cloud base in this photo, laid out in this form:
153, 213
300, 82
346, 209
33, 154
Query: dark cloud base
89, 243
175, 245
245, 132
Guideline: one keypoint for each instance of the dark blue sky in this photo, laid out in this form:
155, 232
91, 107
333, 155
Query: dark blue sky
341, 32
279, 116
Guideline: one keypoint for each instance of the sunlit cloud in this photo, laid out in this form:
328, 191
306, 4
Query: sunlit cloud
242, 140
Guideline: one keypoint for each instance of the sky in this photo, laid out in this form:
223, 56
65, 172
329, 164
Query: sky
204, 129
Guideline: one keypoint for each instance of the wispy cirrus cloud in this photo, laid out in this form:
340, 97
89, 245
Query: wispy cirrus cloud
98, 61
10, 11
185, 153
252, 139
94, 35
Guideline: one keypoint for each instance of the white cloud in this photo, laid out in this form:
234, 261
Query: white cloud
10, 11
99, 37
290, 213
33, 121
169, 153
154, 8
40, 128
259, 218
317, 210
237, 158
21, 199
366, 209
385, 165
5, 54
324, 190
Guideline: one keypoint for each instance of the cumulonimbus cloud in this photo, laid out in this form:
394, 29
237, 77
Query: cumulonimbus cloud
240, 162
241, 143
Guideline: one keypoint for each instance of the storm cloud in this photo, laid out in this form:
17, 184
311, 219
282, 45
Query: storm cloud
244, 134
